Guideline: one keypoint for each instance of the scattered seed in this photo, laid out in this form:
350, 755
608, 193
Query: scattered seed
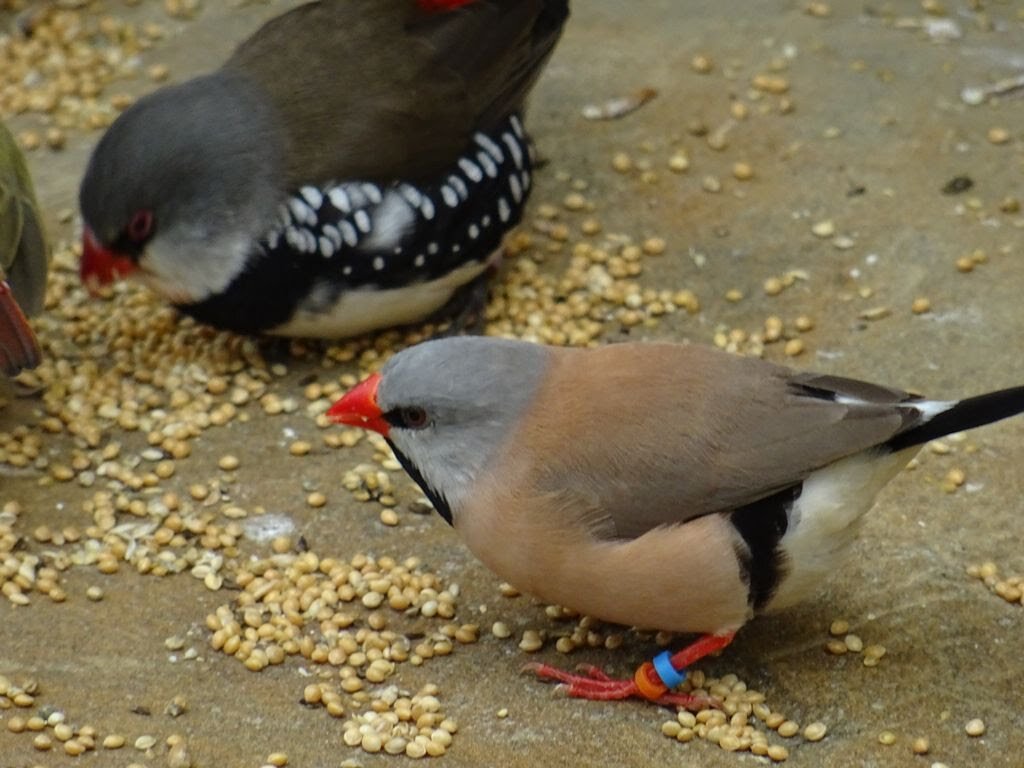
281, 544
794, 347
619, 107
774, 84
742, 171
874, 313
653, 246
965, 264
836, 647
622, 162
788, 729
777, 752
998, 135
228, 463
701, 63
975, 727
824, 229
839, 627
531, 642
113, 741
815, 731
921, 305
42, 742
679, 162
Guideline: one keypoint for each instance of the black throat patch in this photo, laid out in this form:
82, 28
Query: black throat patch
439, 501
762, 525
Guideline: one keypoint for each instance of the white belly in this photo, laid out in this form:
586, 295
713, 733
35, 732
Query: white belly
826, 518
362, 311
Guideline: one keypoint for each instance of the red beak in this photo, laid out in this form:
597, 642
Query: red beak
100, 266
358, 407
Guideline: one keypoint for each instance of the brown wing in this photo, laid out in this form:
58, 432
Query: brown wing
350, 77
23, 251
667, 433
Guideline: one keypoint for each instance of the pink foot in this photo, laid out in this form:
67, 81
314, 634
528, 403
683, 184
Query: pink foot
593, 684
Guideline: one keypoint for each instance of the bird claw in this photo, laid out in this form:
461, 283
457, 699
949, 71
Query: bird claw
593, 684
593, 672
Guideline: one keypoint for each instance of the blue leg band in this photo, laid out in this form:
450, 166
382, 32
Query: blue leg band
670, 676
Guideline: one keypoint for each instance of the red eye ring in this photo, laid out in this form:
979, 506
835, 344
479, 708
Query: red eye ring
140, 226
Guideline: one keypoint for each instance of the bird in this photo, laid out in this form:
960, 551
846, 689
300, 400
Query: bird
353, 165
666, 486
23, 260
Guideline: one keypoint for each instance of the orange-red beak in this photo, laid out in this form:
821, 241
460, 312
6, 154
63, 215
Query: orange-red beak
99, 265
358, 407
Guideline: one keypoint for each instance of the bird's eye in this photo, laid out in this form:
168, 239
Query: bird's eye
414, 417
140, 227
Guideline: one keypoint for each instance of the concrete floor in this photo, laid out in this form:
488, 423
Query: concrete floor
877, 130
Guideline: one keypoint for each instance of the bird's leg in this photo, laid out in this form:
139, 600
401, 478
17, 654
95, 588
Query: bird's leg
653, 680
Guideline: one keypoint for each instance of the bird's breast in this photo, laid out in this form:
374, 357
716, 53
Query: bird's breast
682, 578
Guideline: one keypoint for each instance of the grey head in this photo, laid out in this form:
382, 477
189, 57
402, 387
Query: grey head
451, 404
184, 183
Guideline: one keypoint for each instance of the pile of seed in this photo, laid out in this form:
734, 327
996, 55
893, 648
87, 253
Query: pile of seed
1010, 588
399, 723
347, 618
843, 642
50, 730
21, 695
62, 64
22, 571
594, 293
743, 722
740, 723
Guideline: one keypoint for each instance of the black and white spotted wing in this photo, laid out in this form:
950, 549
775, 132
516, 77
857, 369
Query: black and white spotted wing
362, 236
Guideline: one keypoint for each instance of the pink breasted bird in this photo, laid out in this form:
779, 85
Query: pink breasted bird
352, 166
672, 487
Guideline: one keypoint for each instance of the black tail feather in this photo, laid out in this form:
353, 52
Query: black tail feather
966, 414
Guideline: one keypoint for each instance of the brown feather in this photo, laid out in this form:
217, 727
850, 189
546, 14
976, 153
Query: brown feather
665, 433
677, 578
358, 75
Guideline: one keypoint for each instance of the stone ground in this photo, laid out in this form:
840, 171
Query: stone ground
876, 131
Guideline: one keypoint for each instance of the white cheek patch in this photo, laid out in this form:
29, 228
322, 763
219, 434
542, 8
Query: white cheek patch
200, 269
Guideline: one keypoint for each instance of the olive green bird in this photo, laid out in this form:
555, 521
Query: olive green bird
23, 260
